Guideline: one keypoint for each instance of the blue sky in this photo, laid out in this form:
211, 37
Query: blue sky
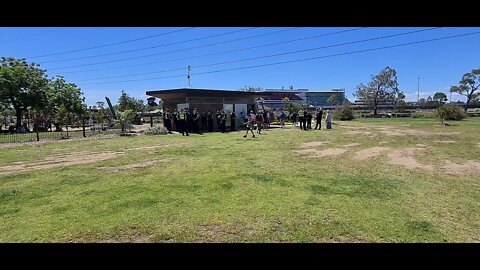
439, 64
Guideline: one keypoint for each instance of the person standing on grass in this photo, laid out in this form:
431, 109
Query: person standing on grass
318, 118
249, 124
233, 118
204, 121
223, 121
210, 121
259, 121
308, 118
301, 118
282, 119
195, 120
182, 122
328, 119
167, 120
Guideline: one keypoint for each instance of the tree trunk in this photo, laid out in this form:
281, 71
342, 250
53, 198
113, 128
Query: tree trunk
18, 113
375, 110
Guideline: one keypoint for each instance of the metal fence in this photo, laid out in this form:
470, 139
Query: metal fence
33, 136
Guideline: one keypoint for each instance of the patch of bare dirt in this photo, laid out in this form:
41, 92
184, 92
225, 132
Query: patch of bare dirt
219, 233
329, 152
351, 144
470, 166
44, 141
305, 151
369, 153
134, 165
405, 157
59, 161
154, 147
356, 132
445, 141
313, 144
421, 145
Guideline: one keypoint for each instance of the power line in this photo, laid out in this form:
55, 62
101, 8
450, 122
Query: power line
272, 55
298, 60
217, 53
179, 50
112, 44
147, 48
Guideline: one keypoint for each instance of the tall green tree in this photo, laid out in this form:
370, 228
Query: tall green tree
125, 102
61, 93
469, 84
64, 100
382, 88
440, 97
22, 85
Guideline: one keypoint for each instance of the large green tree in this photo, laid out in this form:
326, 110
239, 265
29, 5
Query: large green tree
125, 102
61, 93
22, 85
468, 86
440, 97
64, 100
382, 88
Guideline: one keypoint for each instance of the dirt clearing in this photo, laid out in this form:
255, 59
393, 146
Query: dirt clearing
369, 153
405, 157
59, 161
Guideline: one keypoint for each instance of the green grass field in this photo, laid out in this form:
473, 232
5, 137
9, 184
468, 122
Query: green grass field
286, 185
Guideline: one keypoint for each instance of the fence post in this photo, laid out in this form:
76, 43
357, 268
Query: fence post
151, 121
83, 126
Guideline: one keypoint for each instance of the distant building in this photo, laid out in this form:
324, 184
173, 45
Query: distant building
317, 98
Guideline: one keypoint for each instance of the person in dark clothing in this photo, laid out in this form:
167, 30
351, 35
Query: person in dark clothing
175, 121
182, 118
204, 121
233, 119
189, 120
318, 119
218, 117
167, 120
223, 121
195, 120
309, 117
210, 121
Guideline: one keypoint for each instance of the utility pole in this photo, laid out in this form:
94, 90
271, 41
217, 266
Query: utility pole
189, 84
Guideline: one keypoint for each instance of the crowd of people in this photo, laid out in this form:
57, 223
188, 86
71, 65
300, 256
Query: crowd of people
186, 121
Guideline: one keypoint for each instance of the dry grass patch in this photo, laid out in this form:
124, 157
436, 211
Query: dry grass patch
470, 166
59, 161
369, 153
404, 157
313, 144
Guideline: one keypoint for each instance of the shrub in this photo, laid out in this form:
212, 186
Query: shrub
343, 113
450, 112
156, 130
